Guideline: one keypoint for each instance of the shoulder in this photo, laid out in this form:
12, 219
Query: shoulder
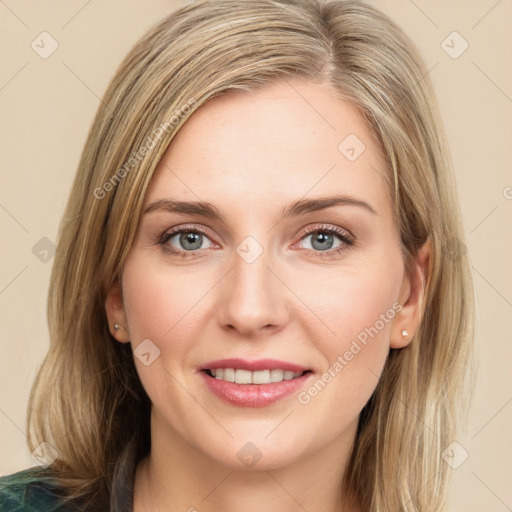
30, 490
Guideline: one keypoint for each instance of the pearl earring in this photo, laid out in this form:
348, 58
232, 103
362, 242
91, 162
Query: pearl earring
405, 333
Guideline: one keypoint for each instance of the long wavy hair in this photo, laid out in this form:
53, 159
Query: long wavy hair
87, 401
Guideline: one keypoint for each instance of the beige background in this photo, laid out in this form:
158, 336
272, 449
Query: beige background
48, 104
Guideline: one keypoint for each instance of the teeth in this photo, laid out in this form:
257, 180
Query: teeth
276, 375
229, 374
257, 377
261, 377
243, 377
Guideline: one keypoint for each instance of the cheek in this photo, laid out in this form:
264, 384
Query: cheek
359, 308
159, 304
352, 304
164, 307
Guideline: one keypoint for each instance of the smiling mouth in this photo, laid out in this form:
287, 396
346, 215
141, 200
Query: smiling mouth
241, 376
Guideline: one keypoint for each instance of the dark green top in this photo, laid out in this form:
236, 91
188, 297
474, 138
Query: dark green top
35, 490
29, 490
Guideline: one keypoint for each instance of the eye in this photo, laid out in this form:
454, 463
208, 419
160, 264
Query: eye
329, 239
185, 240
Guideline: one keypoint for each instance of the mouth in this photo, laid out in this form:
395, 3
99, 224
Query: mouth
253, 383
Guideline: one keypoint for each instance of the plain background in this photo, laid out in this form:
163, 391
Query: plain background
47, 106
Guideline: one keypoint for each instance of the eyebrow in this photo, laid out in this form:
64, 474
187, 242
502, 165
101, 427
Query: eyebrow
300, 207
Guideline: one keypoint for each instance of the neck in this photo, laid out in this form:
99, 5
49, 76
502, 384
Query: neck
176, 477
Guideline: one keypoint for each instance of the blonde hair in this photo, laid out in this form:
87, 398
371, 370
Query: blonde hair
87, 400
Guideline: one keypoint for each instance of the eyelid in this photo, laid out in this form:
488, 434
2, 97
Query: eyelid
339, 231
185, 227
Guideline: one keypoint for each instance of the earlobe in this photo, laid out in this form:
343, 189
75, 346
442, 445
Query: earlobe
412, 295
114, 307
402, 340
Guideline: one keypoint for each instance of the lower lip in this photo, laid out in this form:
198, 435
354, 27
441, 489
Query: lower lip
253, 395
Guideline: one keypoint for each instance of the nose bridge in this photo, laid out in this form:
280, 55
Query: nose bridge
253, 298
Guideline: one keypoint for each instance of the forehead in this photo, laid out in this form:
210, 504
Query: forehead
276, 144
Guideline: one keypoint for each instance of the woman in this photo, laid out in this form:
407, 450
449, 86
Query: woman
257, 298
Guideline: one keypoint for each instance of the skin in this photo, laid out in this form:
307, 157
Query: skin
250, 155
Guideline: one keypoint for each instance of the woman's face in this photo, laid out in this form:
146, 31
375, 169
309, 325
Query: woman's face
269, 240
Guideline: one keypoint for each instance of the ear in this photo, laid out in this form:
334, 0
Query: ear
412, 295
114, 307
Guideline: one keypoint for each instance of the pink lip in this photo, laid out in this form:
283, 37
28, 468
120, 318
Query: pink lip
253, 366
253, 395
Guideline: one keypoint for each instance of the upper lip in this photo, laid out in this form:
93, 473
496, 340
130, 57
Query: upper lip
255, 365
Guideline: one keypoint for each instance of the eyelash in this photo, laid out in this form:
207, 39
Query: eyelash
347, 239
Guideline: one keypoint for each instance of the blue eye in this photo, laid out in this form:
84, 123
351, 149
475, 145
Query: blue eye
328, 239
322, 241
188, 240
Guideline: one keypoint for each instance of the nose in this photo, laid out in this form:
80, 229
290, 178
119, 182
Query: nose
253, 300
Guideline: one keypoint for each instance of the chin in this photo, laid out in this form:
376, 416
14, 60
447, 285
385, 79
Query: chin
252, 453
